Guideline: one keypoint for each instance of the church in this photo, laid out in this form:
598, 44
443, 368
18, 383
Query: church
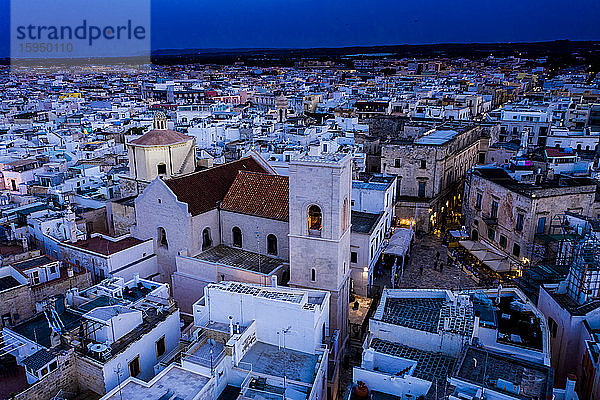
242, 222
161, 152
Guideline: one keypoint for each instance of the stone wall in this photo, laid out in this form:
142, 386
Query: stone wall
254, 233
157, 207
64, 380
11, 259
90, 375
96, 219
540, 203
121, 218
386, 126
17, 302
82, 280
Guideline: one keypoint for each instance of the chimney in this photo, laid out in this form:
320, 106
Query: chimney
25, 244
54, 339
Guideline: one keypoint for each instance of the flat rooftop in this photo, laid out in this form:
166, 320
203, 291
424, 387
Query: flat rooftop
485, 368
329, 158
8, 282
363, 222
437, 137
33, 263
104, 246
501, 177
378, 186
207, 354
573, 307
280, 362
100, 301
238, 258
431, 366
37, 329
176, 383
416, 313
307, 299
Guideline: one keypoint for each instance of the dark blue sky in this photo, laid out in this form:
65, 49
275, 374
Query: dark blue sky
325, 23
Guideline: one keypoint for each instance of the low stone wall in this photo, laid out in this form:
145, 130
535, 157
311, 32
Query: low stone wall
82, 280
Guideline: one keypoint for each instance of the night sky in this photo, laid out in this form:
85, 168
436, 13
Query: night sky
334, 23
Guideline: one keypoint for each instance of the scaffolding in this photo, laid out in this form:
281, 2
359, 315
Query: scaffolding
556, 247
584, 275
552, 251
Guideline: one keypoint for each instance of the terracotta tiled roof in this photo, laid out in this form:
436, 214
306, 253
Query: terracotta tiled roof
98, 244
161, 137
263, 195
203, 190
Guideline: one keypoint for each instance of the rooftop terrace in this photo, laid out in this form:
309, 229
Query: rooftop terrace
430, 366
8, 282
486, 368
415, 313
280, 362
175, 383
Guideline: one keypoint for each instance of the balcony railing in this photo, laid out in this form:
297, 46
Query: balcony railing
490, 219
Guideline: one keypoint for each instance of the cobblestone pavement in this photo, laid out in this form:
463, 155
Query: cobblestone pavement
424, 255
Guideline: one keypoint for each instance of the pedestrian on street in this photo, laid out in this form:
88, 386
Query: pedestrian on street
421, 270
435, 265
441, 267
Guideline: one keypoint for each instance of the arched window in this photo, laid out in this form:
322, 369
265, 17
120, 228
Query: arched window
206, 239
237, 236
313, 274
272, 245
162, 238
475, 235
315, 220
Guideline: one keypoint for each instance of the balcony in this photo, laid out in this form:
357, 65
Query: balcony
490, 219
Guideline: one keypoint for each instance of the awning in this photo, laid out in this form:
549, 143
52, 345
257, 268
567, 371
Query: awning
459, 234
490, 257
471, 245
399, 242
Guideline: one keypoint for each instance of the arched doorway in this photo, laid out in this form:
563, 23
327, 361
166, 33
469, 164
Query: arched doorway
206, 239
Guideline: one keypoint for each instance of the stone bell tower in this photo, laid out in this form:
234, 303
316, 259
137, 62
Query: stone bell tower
319, 223
160, 121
